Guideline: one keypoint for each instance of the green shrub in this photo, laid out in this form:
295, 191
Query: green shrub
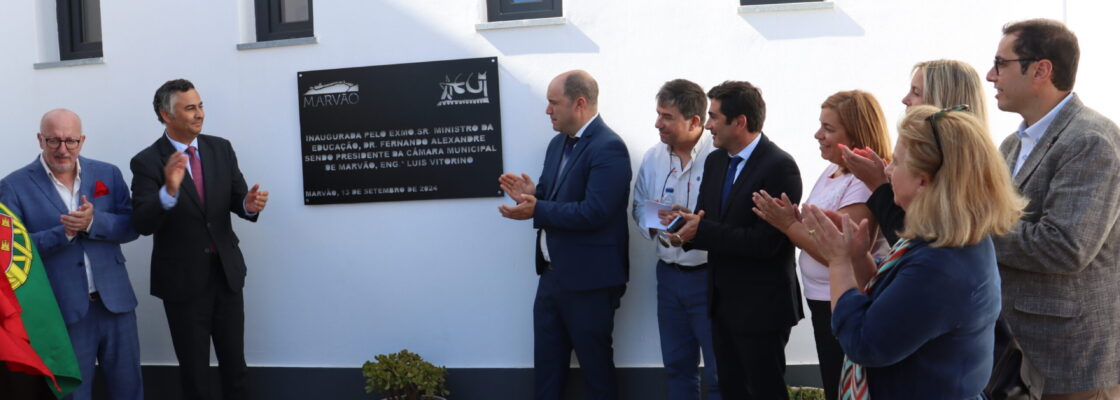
404, 375
805, 394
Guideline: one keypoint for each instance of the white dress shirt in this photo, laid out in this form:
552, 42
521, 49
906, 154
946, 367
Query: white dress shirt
72, 199
745, 154
662, 178
1030, 135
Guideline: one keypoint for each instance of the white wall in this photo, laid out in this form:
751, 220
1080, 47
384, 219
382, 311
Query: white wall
334, 285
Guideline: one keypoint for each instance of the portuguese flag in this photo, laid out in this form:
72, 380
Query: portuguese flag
37, 344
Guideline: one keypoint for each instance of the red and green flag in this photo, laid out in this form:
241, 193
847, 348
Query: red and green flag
35, 340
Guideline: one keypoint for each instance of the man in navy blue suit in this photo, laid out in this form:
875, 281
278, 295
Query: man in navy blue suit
579, 209
79, 213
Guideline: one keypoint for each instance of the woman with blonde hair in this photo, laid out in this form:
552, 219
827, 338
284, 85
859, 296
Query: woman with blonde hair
919, 325
940, 83
850, 118
946, 83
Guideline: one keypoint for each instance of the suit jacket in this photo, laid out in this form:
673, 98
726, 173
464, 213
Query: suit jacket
185, 234
31, 194
753, 279
584, 213
1061, 263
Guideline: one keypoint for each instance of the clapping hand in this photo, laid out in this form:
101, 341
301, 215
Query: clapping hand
256, 199
838, 239
173, 172
515, 186
79, 219
780, 213
865, 165
526, 205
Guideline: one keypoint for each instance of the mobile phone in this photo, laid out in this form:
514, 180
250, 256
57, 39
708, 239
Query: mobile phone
675, 225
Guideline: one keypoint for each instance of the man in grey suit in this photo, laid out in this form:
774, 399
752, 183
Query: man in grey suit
1061, 278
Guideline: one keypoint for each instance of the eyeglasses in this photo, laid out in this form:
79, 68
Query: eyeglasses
71, 144
937, 136
999, 61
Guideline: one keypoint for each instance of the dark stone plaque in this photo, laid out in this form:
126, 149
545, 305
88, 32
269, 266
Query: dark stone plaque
429, 130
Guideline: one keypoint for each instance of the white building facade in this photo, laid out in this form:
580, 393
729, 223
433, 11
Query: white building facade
333, 285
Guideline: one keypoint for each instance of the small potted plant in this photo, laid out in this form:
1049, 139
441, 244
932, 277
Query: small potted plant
404, 376
804, 393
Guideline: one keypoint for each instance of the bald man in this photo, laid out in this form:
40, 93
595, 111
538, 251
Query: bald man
79, 213
579, 210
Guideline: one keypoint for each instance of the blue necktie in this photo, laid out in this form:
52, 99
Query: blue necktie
729, 181
569, 144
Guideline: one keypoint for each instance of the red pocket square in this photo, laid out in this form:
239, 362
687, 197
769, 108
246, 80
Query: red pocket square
99, 189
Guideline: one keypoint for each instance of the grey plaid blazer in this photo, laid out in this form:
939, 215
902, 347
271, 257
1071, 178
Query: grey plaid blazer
1061, 263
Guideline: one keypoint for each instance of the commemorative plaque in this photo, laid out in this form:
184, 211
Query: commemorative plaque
429, 130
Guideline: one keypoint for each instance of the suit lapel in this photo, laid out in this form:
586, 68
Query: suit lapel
551, 164
715, 182
1012, 156
1061, 121
209, 168
187, 185
46, 185
87, 183
577, 150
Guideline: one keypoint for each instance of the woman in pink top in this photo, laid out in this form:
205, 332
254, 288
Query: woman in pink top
853, 119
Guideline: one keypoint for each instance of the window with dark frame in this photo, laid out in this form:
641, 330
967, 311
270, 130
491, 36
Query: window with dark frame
507, 10
284, 19
758, 2
79, 29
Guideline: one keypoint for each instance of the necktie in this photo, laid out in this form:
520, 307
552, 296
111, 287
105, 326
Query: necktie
729, 181
569, 144
196, 173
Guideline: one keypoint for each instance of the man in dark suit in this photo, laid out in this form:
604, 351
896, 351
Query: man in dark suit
78, 212
184, 188
579, 209
754, 298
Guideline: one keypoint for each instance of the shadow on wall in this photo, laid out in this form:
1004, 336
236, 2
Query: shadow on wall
810, 24
565, 38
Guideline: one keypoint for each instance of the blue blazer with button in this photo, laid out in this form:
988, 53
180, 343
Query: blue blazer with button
584, 212
31, 195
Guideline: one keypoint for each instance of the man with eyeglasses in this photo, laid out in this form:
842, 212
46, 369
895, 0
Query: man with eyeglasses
79, 213
1061, 263
670, 177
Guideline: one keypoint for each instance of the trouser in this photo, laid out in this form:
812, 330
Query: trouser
686, 331
580, 320
219, 314
752, 365
830, 356
109, 340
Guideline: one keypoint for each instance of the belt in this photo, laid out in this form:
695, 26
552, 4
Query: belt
95, 296
687, 268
